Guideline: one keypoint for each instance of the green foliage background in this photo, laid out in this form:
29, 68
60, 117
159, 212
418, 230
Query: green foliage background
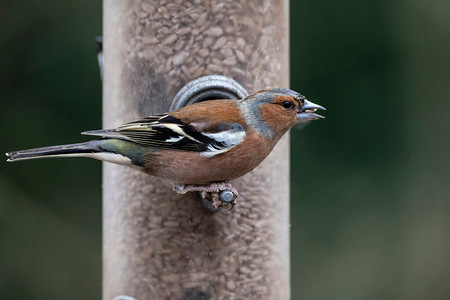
370, 183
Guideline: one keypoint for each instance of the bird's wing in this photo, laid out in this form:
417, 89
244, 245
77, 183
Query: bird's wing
168, 132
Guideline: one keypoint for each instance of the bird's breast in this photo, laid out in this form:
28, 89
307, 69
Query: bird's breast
189, 167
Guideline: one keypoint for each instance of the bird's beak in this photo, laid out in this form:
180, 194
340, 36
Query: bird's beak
307, 111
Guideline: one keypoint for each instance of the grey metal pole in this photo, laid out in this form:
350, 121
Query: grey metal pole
161, 245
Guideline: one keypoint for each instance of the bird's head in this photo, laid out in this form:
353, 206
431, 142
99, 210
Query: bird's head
280, 109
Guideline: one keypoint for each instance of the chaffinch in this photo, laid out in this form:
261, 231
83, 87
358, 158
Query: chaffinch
199, 147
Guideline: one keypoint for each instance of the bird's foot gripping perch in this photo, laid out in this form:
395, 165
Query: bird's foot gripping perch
218, 194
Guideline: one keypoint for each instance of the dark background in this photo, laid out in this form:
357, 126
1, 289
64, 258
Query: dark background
370, 183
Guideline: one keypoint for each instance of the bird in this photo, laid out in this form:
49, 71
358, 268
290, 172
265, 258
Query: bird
199, 147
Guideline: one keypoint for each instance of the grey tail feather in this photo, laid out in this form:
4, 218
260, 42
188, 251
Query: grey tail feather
80, 149
106, 133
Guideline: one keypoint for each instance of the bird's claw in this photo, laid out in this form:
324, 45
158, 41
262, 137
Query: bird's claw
216, 201
221, 194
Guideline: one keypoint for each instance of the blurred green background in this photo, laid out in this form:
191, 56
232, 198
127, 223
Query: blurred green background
370, 193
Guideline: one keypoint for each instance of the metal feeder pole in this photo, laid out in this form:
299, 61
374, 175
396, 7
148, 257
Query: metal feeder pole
158, 244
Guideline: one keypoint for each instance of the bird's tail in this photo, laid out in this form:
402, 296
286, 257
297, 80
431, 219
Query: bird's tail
109, 150
88, 149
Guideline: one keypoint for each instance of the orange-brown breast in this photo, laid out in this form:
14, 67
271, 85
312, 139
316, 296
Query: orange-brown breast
187, 167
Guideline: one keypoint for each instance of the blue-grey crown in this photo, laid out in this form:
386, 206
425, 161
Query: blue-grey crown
268, 95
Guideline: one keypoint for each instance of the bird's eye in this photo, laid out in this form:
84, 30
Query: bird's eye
287, 104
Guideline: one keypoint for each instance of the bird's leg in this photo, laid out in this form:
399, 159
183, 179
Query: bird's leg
220, 194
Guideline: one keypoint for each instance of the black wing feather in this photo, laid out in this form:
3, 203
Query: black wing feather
167, 132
